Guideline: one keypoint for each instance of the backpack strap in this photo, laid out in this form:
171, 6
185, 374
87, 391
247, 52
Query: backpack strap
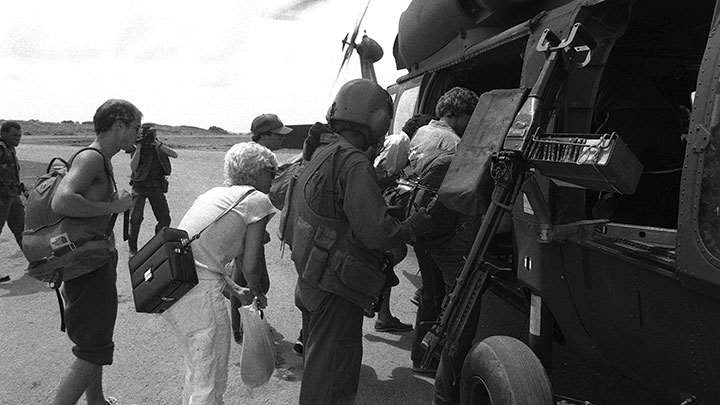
110, 175
105, 164
50, 165
62, 308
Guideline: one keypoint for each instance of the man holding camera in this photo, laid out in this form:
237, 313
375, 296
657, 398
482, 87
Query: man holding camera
150, 167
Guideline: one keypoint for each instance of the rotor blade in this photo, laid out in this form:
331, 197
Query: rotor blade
351, 43
359, 21
346, 57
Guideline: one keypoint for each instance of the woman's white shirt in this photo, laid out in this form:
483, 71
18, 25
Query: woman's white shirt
224, 240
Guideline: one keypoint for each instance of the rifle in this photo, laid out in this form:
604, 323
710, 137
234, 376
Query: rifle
509, 170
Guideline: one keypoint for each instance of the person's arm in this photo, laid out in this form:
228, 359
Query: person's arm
366, 211
69, 199
166, 150
253, 260
396, 157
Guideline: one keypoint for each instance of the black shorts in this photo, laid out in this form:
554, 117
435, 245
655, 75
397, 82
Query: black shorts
91, 304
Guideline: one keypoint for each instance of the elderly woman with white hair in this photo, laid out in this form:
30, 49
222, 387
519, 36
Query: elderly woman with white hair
200, 318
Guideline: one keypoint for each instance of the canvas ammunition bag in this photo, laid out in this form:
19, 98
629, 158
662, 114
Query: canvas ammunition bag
467, 186
60, 248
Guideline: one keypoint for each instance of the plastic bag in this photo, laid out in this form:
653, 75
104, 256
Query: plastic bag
257, 360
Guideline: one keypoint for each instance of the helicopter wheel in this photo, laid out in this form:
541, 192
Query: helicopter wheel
502, 370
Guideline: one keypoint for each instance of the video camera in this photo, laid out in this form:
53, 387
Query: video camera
147, 135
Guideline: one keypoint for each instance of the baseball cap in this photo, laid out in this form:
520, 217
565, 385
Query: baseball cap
269, 123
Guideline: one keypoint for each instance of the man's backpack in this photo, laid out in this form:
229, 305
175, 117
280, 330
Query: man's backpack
60, 248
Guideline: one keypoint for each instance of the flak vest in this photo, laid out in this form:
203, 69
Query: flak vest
147, 161
327, 257
9, 171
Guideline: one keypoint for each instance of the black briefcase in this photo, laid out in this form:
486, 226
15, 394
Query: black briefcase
162, 271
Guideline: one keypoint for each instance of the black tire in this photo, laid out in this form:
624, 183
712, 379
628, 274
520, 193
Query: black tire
502, 370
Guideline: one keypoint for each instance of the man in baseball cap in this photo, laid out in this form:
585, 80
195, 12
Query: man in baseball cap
268, 131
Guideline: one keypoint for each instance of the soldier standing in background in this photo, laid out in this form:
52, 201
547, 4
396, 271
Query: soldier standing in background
12, 209
150, 166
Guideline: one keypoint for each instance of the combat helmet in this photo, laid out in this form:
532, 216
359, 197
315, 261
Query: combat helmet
363, 102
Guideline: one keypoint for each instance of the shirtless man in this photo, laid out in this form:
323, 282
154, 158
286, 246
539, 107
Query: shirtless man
88, 191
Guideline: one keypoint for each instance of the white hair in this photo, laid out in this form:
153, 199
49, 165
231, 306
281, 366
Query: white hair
244, 161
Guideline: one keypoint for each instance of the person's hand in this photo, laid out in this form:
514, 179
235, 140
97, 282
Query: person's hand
244, 295
122, 202
24, 190
261, 301
419, 222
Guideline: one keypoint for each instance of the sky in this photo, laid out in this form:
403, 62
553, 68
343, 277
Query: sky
199, 63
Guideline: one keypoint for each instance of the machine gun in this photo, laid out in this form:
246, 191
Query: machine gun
509, 170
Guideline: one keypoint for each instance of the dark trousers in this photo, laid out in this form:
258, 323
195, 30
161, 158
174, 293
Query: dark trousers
433, 292
160, 208
91, 304
439, 266
333, 352
12, 211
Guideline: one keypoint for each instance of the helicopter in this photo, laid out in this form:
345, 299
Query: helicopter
597, 124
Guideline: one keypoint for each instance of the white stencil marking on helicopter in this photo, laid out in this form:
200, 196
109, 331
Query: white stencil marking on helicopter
527, 208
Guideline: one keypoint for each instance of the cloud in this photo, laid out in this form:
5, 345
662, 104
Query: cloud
294, 9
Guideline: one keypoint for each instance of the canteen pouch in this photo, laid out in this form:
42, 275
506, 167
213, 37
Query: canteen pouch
356, 275
362, 271
317, 261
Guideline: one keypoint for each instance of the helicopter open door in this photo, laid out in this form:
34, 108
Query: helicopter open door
699, 220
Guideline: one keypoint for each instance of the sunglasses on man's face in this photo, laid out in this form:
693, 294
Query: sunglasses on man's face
271, 170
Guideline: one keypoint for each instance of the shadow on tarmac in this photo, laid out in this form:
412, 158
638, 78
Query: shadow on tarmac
24, 285
386, 391
288, 364
404, 343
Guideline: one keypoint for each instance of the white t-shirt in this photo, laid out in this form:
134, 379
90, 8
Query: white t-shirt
224, 240
394, 155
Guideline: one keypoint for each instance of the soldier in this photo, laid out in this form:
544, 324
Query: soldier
268, 131
338, 227
11, 207
150, 166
